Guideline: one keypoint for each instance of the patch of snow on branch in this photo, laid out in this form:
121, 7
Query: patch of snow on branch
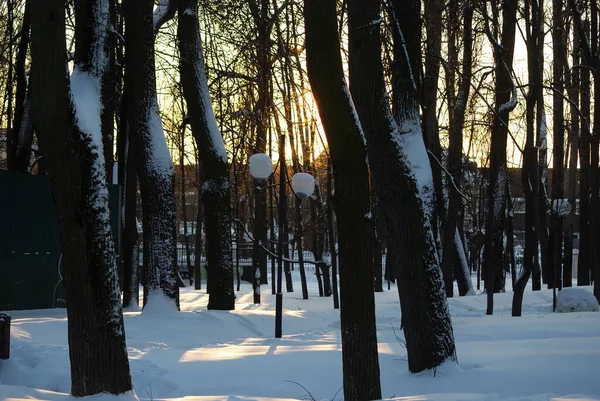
217, 145
160, 158
575, 299
410, 140
85, 91
160, 12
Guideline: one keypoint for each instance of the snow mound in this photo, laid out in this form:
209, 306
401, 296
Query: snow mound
576, 300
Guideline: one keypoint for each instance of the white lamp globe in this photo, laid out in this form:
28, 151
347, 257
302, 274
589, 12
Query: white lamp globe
261, 166
303, 185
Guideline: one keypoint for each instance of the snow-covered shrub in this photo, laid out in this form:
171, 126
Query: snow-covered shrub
576, 300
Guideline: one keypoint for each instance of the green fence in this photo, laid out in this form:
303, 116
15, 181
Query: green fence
30, 252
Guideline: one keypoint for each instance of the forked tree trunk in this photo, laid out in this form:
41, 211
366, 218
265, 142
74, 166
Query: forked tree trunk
347, 149
72, 141
155, 168
402, 175
216, 188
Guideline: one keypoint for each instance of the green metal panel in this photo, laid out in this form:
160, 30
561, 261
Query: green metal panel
30, 242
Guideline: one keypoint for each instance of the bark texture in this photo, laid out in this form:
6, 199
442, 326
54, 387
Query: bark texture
348, 158
402, 176
216, 188
155, 168
73, 147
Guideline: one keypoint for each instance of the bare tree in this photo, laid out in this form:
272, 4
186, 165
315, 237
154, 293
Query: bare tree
211, 149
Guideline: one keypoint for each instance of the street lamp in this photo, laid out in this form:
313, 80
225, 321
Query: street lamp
261, 168
303, 186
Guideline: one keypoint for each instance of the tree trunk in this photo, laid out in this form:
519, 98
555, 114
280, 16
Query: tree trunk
347, 149
211, 149
22, 127
534, 40
198, 238
377, 248
184, 216
24, 137
558, 132
457, 107
431, 135
331, 234
395, 154
259, 10
505, 101
130, 231
73, 147
584, 259
155, 168
574, 134
462, 270
299, 241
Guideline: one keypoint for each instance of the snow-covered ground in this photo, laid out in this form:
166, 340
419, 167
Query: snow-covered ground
200, 355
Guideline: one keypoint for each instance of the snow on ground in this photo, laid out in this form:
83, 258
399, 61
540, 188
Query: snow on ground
200, 355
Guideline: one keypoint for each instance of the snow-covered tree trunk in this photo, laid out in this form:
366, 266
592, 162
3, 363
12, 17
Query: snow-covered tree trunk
351, 201
155, 168
402, 178
216, 188
462, 271
67, 120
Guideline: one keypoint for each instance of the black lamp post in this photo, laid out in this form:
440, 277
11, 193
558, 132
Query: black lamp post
261, 168
303, 184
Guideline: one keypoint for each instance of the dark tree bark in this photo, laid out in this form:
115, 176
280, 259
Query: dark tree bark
155, 168
20, 153
377, 247
299, 240
211, 149
396, 152
594, 62
431, 135
11, 134
586, 212
109, 96
259, 10
457, 106
198, 239
574, 134
348, 152
73, 147
184, 214
24, 137
558, 133
534, 40
505, 102
130, 236
331, 236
